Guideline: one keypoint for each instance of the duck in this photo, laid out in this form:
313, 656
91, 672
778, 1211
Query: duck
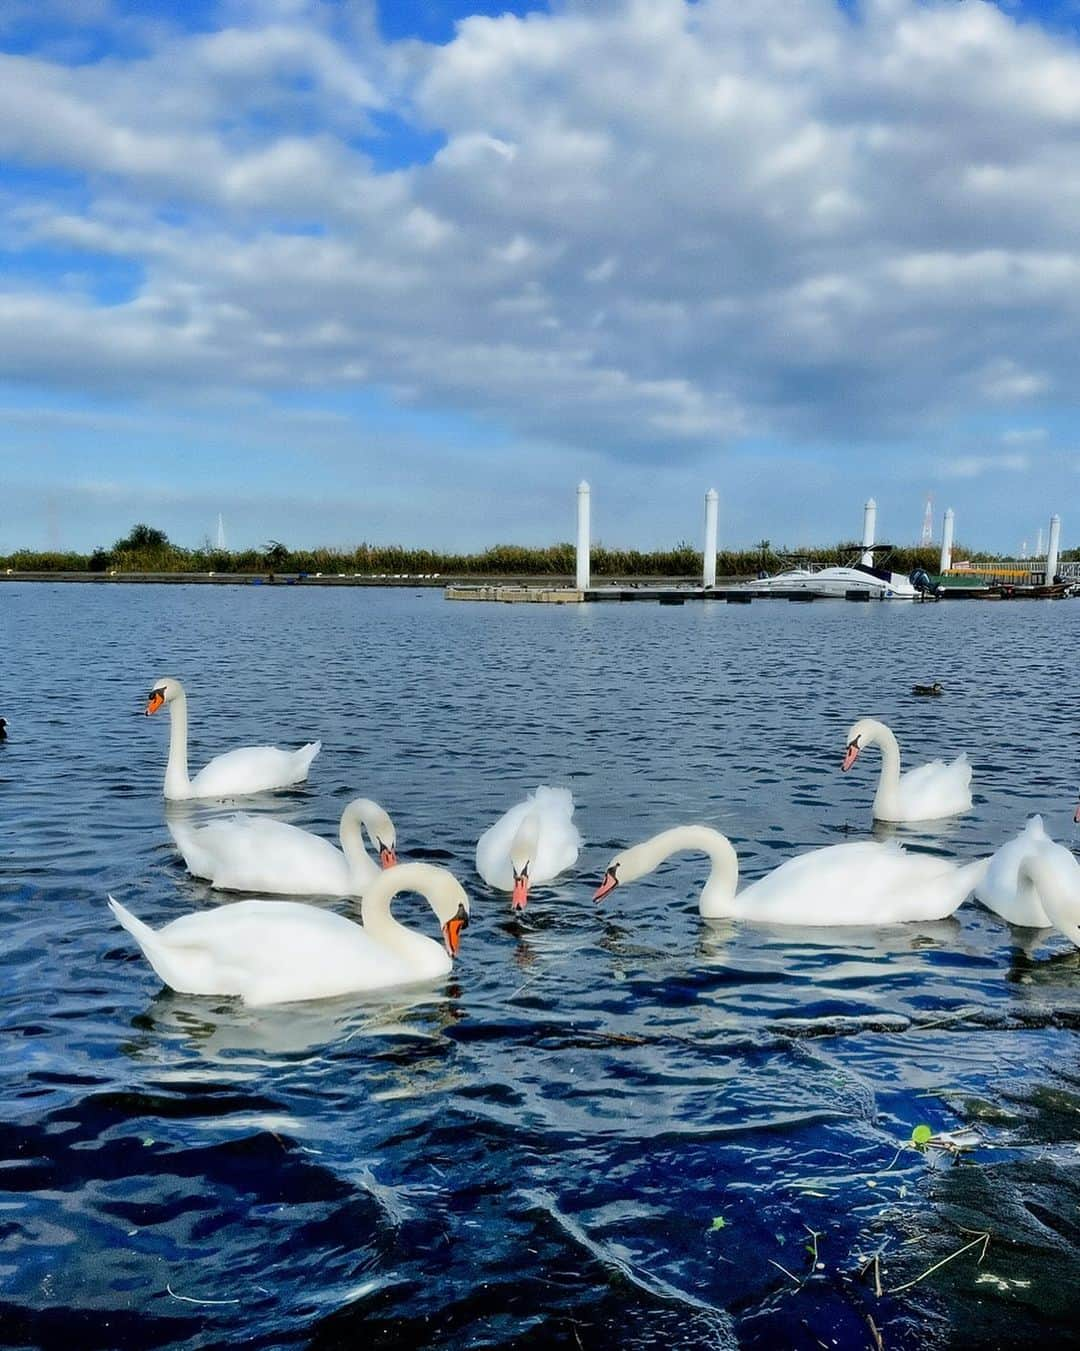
928, 793
249, 769
282, 952
532, 842
928, 690
3, 729
1055, 874
1002, 891
862, 883
257, 853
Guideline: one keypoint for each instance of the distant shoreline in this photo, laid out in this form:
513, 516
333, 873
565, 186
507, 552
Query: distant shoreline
432, 581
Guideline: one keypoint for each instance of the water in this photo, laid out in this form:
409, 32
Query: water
614, 1125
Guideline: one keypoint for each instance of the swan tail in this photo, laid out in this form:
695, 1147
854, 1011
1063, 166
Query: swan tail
304, 757
153, 949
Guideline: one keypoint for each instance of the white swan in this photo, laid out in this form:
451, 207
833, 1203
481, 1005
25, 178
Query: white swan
257, 853
1002, 889
1054, 872
924, 794
532, 842
278, 952
249, 769
855, 884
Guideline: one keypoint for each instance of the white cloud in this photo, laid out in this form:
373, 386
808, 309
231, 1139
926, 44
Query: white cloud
974, 466
652, 223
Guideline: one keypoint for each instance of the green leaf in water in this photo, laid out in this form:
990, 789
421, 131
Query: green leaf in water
718, 1222
921, 1134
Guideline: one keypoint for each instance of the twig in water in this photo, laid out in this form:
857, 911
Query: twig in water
879, 1345
984, 1239
188, 1299
815, 1234
785, 1271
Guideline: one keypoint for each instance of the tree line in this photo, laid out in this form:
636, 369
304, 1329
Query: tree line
146, 549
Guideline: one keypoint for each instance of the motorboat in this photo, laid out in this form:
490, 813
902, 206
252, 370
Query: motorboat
848, 581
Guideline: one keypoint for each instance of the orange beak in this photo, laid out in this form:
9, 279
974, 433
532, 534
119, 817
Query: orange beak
452, 933
850, 756
519, 897
387, 857
609, 884
154, 702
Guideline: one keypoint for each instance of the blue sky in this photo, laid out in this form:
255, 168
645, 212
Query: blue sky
407, 272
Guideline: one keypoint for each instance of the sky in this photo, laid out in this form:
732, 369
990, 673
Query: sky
405, 272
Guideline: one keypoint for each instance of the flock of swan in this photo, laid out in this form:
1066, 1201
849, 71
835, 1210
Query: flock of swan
279, 951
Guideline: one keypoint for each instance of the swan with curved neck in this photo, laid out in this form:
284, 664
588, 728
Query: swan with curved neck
257, 853
1055, 874
843, 884
1004, 891
532, 842
249, 769
928, 793
280, 952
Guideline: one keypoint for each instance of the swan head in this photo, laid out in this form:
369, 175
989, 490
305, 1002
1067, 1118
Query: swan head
860, 735
625, 867
162, 692
522, 850
380, 828
451, 906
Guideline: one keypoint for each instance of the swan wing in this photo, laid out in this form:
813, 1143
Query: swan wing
257, 853
865, 882
560, 840
936, 789
253, 769
1001, 889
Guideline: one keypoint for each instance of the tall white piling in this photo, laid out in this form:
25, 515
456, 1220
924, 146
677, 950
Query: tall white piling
1038, 543
869, 525
1052, 547
946, 541
712, 499
582, 582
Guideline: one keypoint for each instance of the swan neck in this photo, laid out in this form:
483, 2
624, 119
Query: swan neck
354, 847
177, 782
375, 907
1062, 910
723, 876
889, 781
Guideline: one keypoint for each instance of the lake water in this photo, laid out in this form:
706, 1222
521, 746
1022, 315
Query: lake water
613, 1126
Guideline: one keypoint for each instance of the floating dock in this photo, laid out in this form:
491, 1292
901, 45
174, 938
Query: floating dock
674, 594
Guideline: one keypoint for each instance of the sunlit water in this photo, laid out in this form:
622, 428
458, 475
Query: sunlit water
614, 1125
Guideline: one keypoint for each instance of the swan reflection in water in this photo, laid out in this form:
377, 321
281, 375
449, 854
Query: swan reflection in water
225, 1029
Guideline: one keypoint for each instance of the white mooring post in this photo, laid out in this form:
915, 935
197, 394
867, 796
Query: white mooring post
869, 525
946, 541
712, 499
1052, 547
582, 536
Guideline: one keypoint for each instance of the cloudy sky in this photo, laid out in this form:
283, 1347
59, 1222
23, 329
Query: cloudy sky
407, 270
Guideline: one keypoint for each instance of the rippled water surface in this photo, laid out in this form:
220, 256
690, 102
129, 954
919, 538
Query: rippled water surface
613, 1125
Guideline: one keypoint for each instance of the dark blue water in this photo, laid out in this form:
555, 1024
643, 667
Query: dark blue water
612, 1126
